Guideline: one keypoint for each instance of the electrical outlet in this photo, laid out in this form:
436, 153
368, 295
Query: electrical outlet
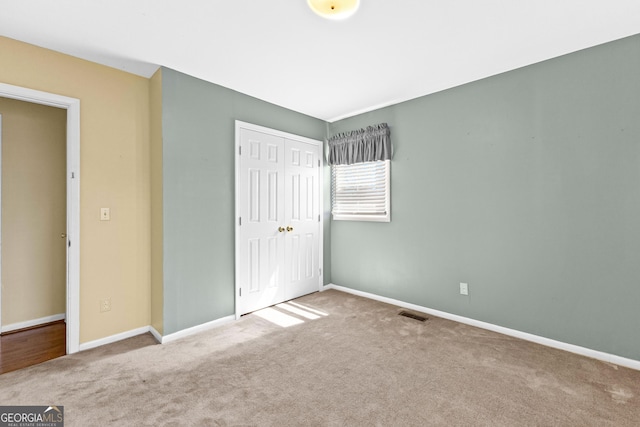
105, 305
464, 289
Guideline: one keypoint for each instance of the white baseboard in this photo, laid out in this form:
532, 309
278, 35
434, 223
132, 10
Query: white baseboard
114, 338
583, 351
157, 335
194, 330
34, 322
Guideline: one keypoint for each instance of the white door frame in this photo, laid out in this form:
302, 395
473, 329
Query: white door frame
72, 105
244, 125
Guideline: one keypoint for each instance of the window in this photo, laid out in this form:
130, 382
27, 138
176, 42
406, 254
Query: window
360, 174
361, 191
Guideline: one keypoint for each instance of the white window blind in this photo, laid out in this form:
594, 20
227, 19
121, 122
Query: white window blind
360, 191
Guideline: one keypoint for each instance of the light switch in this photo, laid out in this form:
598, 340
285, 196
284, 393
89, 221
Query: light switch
105, 214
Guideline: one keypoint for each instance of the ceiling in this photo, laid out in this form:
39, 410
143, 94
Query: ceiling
279, 51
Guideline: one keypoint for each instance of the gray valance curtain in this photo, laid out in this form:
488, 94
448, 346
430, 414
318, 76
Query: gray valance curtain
359, 146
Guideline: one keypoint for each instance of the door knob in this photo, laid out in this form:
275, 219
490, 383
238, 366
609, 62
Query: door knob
62, 235
281, 229
289, 228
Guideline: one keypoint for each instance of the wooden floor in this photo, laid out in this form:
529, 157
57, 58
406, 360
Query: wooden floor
31, 346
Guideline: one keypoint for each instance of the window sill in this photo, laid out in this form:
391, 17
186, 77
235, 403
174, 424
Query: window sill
364, 218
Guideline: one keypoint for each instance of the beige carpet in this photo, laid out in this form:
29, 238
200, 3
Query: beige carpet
359, 365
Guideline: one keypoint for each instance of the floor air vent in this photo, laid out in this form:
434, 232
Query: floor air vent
412, 316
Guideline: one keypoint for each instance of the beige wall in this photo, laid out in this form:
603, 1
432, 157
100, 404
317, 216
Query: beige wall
114, 159
157, 254
33, 211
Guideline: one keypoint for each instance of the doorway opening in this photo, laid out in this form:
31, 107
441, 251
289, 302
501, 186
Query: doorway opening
71, 235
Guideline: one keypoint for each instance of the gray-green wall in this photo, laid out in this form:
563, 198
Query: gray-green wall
198, 125
525, 185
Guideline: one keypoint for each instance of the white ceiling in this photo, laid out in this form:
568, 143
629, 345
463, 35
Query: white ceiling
279, 51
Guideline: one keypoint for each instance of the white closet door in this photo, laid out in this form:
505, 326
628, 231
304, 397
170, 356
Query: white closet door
302, 218
262, 215
278, 232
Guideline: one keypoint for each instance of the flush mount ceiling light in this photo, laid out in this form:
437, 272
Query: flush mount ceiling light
334, 9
